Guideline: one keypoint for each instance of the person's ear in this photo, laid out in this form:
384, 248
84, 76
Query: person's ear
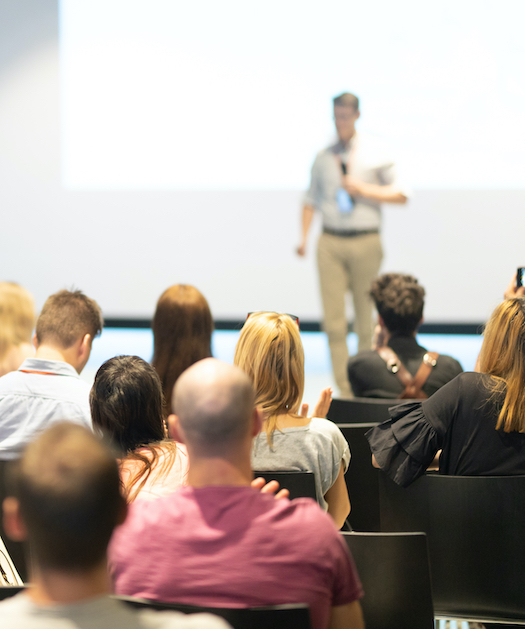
258, 420
35, 341
380, 321
13, 524
357, 114
175, 431
84, 349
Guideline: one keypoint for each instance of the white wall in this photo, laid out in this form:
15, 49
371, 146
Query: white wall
124, 246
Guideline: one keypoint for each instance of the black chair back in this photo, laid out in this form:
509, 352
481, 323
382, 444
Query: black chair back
10, 590
15, 549
274, 616
394, 571
362, 479
299, 484
475, 528
360, 410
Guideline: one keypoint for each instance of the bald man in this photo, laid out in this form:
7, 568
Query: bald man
218, 541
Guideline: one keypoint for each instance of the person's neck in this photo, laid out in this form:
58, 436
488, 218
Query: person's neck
288, 420
345, 144
406, 335
52, 586
50, 352
219, 470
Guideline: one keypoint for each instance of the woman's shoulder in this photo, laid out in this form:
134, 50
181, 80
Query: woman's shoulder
468, 382
326, 430
323, 425
475, 383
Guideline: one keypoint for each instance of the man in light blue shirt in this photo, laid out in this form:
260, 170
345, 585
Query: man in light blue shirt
47, 388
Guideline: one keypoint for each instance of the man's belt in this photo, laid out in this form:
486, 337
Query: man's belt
349, 233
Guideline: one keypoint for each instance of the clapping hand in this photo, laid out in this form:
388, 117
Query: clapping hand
269, 488
322, 406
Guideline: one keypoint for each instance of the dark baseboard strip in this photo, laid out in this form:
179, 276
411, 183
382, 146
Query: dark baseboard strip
307, 326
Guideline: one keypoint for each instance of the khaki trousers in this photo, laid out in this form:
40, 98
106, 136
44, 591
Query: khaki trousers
347, 264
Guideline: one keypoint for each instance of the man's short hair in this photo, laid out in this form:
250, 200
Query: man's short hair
214, 402
66, 317
347, 100
68, 488
399, 300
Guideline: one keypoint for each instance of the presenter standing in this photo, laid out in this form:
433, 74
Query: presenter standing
349, 181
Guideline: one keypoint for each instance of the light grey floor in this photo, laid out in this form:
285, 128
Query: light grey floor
317, 363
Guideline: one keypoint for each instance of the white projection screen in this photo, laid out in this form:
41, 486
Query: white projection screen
152, 142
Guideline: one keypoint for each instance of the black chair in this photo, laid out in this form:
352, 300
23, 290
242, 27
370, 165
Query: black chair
475, 528
15, 549
299, 484
10, 590
269, 617
362, 479
360, 410
395, 573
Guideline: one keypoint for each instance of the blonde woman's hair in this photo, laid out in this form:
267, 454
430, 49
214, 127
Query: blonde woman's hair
17, 316
270, 351
503, 357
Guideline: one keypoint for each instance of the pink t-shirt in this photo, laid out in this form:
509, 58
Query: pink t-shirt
160, 482
233, 546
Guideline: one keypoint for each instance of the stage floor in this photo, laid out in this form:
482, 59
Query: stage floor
139, 342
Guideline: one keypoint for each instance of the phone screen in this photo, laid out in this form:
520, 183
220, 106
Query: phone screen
520, 277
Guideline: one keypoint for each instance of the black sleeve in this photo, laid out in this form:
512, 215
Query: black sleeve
405, 445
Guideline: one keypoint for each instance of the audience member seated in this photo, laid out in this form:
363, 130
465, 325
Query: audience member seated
17, 320
397, 366
219, 542
182, 328
270, 351
65, 501
47, 387
126, 404
477, 419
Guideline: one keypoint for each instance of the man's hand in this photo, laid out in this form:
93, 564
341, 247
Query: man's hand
301, 250
306, 221
512, 290
381, 194
269, 488
355, 187
322, 406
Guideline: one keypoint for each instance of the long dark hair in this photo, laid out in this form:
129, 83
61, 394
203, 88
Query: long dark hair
127, 405
182, 328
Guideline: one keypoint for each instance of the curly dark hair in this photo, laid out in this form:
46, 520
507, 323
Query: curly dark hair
399, 300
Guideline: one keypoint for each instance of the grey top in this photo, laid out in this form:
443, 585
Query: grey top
20, 612
318, 447
367, 161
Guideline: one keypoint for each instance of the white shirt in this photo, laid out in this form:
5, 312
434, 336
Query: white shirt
30, 402
368, 161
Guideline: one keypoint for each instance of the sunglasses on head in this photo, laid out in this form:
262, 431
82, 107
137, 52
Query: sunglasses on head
293, 317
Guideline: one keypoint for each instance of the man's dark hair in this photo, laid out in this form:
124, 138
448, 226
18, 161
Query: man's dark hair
68, 488
399, 300
66, 317
347, 100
